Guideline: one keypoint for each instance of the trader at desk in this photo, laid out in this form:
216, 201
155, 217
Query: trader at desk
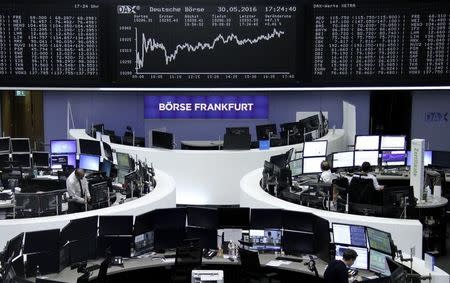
77, 187
326, 176
365, 168
337, 270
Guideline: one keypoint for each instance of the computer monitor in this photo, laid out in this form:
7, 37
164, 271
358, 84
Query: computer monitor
123, 160
20, 145
296, 167
63, 146
238, 131
41, 241
13, 248
393, 143
343, 159
427, 158
89, 162
266, 239
263, 131
393, 158
117, 246
202, 217
115, 225
91, 147
312, 164
441, 158
168, 238
293, 131
322, 238
58, 160
298, 221
352, 235
361, 261
162, 139
48, 262
234, 217
106, 167
169, 218
279, 160
22, 160
297, 243
310, 123
108, 151
207, 237
369, 156
379, 240
378, 263
144, 243
367, 142
261, 218
41, 159
5, 144
144, 223
4, 160
79, 229
315, 148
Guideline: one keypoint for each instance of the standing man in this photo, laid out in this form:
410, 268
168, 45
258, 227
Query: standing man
337, 270
77, 187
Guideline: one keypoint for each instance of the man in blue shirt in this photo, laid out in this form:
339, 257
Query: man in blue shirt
337, 270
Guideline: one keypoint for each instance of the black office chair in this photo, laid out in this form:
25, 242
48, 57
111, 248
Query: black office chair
187, 258
83, 278
101, 278
251, 267
361, 190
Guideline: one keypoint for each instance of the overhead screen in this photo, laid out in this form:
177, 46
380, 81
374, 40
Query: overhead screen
101, 43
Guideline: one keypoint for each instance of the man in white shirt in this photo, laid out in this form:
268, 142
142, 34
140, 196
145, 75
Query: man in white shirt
365, 168
77, 187
326, 176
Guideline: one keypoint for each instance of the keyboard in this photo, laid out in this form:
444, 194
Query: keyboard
290, 258
391, 174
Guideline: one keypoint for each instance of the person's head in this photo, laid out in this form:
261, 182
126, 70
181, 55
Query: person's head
79, 173
365, 167
325, 166
349, 257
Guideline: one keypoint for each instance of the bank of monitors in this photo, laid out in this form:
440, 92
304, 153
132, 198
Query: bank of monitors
266, 239
312, 164
379, 240
264, 132
238, 218
367, 142
343, 159
63, 146
369, 156
427, 158
41, 159
352, 235
89, 162
162, 139
91, 147
5, 144
393, 143
362, 259
315, 148
393, 158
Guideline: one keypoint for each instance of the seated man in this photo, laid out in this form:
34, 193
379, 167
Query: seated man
326, 176
365, 168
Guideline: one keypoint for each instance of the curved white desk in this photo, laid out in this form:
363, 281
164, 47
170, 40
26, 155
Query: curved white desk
405, 233
210, 176
163, 196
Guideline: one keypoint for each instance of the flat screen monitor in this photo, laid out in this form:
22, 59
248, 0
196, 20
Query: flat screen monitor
352, 235
393, 158
315, 148
40, 159
5, 145
298, 221
312, 164
115, 225
123, 160
89, 162
4, 160
297, 243
20, 145
108, 151
379, 240
168, 238
144, 223
361, 261
169, 218
117, 246
296, 167
63, 159
266, 240
369, 156
310, 123
367, 142
279, 160
121, 173
21, 160
41, 241
106, 167
78, 229
378, 263
234, 217
13, 248
63, 146
202, 217
322, 238
207, 237
144, 243
261, 218
91, 147
441, 158
162, 139
427, 158
238, 131
393, 143
264, 132
343, 159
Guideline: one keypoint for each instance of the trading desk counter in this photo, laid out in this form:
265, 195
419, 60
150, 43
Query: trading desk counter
163, 196
211, 176
289, 269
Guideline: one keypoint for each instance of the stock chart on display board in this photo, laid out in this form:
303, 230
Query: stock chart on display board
276, 43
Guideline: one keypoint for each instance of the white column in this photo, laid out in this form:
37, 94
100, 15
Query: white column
417, 169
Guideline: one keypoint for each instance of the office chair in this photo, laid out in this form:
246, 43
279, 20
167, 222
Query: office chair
83, 278
251, 267
186, 259
361, 190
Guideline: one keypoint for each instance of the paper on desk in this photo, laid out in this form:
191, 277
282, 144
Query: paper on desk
277, 263
169, 260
